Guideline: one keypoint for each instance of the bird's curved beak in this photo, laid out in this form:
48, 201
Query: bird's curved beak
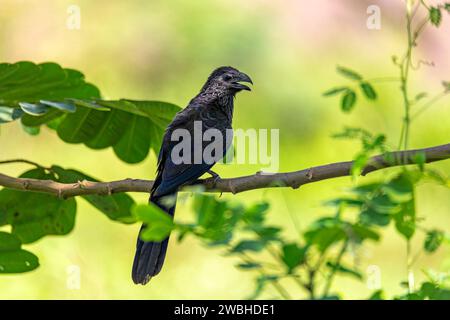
242, 78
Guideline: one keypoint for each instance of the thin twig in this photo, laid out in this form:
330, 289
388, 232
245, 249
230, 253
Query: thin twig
37, 165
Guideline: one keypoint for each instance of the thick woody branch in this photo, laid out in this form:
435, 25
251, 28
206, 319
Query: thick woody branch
293, 179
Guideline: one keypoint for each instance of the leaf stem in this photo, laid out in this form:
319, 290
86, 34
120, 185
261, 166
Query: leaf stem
409, 270
404, 77
333, 271
429, 104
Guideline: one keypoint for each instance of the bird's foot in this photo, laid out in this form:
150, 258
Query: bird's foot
214, 177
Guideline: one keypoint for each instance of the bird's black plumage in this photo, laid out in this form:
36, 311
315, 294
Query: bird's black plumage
213, 108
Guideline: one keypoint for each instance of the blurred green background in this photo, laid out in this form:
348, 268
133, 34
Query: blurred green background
164, 50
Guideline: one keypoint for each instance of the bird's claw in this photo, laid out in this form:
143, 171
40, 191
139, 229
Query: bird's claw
214, 177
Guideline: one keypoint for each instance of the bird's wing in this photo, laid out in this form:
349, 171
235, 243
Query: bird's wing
170, 175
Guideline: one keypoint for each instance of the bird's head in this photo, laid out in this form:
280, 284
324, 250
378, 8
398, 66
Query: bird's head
226, 81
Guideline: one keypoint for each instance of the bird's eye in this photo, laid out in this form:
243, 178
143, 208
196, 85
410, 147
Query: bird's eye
227, 77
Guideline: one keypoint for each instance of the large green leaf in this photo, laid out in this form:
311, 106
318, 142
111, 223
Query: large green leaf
81, 126
116, 206
46, 93
127, 126
12, 258
35, 215
29, 82
135, 143
110, 130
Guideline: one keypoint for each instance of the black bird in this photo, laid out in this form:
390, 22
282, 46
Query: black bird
213, 106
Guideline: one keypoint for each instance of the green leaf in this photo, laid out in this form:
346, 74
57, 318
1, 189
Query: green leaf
261, 283
435, 16
330, 297
33, 131
368, 90
420, 158
349, 73
45, 93
28, 82
249, 265
210, 211
81, 126
134, 144
131, 134
361, 233
399, 200
265, 233
12, 258
384, 204
344, 201
324, 235
344, 270
433, 240
334, 91
447, 7
405, 220
348, 100
293, 255
110, 129
255, 214
399, 189
9, 242
35, 215
17, 261
365, 189
90, 104
63, 106
377, 295
116, 206
35, 121
216, 218
359, 163
371, 217
248, 245
433, 291
159, 223
420, 96
158, 111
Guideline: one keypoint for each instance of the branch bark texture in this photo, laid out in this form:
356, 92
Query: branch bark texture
292, 179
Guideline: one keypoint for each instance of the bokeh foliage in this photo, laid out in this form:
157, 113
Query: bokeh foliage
173, 68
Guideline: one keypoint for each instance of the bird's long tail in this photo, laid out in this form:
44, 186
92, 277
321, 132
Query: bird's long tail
149, 256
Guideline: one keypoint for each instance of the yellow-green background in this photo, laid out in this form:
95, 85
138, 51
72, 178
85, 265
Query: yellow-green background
164, 50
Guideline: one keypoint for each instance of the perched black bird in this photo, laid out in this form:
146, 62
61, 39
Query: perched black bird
213, 106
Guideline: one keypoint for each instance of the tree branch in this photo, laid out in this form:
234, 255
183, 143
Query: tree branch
293, 179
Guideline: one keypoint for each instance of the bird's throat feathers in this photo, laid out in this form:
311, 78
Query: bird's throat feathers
216, 98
